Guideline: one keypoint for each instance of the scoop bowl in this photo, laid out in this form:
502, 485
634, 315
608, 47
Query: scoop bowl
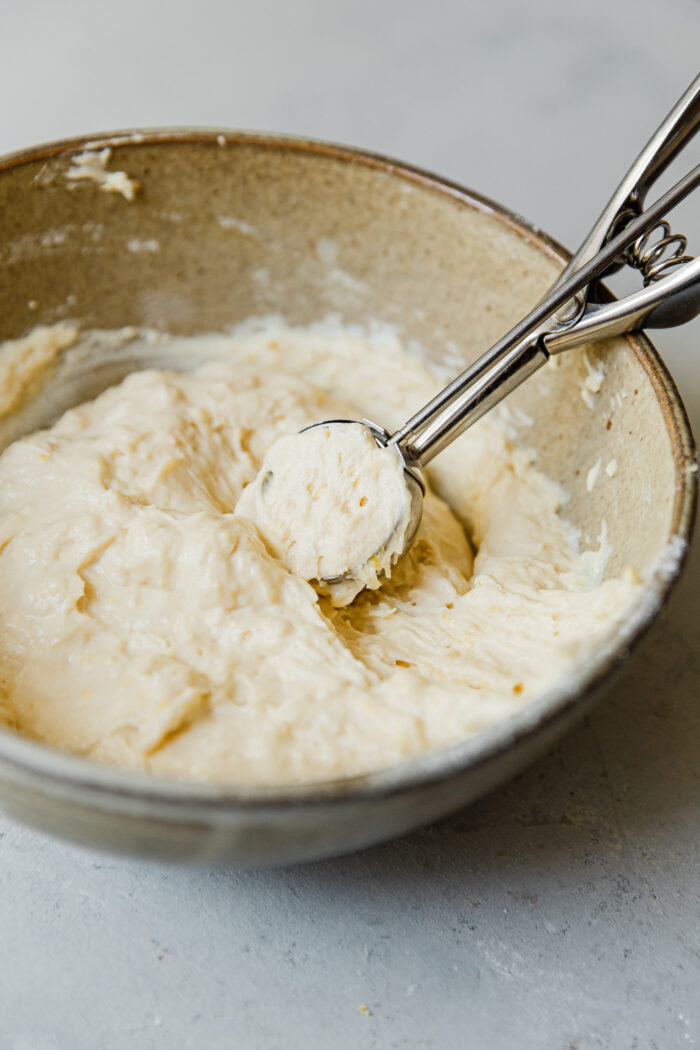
416, 488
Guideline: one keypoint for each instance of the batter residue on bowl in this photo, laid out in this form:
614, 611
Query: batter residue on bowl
146, 623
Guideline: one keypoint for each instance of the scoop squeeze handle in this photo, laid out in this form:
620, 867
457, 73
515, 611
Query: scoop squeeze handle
565, 318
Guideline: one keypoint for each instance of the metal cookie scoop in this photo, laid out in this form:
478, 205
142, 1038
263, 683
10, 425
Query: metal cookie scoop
406, 525
569, 315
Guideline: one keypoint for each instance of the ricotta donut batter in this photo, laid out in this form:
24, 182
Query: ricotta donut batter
333, 506
147, 622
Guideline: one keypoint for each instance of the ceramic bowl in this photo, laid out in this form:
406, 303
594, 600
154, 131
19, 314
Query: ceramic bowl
227, 226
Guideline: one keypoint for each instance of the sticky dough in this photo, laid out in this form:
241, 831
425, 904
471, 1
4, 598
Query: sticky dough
147, 623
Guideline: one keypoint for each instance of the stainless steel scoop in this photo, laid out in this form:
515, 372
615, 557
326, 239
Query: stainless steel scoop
570, 315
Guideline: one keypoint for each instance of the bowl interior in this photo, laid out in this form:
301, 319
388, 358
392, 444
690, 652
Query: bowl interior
225, 228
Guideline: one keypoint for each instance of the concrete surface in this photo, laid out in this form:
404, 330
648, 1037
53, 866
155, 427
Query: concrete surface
561, 912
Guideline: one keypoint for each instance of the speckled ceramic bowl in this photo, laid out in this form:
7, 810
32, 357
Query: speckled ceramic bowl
228, 226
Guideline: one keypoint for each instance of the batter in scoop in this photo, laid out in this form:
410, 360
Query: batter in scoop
329, 500
148, 622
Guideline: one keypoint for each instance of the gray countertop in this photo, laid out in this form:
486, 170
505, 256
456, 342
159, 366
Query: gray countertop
561, 912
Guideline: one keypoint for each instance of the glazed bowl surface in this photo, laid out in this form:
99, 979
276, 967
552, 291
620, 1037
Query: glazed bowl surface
227, 226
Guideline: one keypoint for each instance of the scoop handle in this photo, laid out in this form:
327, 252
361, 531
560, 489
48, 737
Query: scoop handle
524, 349
675, 131
669, 302
514, 357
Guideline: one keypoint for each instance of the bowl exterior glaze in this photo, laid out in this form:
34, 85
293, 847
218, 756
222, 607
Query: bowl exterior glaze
228, 226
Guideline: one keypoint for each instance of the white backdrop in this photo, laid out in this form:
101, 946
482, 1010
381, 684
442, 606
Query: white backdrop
561, 912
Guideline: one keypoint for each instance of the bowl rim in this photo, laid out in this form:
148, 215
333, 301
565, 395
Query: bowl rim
32, 763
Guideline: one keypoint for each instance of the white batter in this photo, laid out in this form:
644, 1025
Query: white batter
330, 502
146, 621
